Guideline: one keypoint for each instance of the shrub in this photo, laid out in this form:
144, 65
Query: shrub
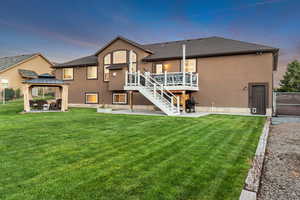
9, 94
18, 93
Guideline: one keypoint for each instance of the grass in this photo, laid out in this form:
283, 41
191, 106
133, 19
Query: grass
85, 155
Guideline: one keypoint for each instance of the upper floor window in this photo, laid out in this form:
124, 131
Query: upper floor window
190, 65
134, 62
92, 72
159, 68
119, 57
107, 62
67, 73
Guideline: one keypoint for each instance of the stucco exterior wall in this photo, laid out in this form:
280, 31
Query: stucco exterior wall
223, 81
36, 63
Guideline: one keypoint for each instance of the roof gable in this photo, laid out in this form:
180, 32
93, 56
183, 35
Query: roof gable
125, 40
11, 61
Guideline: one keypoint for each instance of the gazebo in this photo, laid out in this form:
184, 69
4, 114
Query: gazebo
46, 80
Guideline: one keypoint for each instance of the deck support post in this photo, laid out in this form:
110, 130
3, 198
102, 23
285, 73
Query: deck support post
131, 100
183, 98
26, 98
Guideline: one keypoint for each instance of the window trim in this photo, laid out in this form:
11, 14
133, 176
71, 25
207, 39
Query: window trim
87, 73
189, 59
88, 93
63, 74
120, 103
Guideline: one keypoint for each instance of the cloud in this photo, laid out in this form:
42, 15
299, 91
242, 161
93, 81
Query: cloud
49, 34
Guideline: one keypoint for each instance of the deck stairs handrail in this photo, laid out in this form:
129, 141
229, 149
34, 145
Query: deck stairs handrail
154, 92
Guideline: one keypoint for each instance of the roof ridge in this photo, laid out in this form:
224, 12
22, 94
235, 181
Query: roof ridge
30, 54
178, 41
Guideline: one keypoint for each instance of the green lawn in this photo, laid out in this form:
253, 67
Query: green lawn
85, 155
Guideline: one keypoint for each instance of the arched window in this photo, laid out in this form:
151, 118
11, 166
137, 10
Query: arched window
107, 63
134, 62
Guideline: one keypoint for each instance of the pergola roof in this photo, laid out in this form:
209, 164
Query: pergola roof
45, 79
49, 81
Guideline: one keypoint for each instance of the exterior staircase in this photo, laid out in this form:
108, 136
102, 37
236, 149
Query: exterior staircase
155, 92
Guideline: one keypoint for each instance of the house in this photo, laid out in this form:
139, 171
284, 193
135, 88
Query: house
219, 74
16, 69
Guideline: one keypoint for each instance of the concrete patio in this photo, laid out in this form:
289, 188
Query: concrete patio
157, 113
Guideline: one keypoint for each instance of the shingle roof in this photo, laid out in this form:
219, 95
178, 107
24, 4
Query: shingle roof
27, 73
203, 47
84, 61
7, 62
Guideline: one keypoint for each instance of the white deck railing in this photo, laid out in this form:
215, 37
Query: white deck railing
177, 79
188, 79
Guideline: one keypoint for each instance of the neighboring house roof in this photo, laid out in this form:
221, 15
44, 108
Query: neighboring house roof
84, 61
27, 73
126, 40
203, 47
7, 62
11, 61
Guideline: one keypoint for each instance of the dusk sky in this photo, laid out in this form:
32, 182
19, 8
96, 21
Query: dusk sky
64, 30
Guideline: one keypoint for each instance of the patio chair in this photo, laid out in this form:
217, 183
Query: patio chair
41, 104
33, 104
58, 103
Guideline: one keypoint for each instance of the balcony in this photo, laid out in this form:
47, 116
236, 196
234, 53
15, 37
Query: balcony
169, 80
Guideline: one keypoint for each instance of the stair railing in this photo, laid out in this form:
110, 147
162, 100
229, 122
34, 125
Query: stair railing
145, 80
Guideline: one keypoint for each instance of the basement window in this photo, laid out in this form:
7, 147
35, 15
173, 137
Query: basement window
91, 98
119, 98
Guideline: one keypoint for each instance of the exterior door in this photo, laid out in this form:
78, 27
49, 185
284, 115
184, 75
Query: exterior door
258, 99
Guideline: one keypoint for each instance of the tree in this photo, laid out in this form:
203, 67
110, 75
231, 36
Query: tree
291, 78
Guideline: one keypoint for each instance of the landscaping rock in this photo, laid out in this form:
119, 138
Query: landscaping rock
281, 172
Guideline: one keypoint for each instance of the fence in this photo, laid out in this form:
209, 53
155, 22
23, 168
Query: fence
286, 103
